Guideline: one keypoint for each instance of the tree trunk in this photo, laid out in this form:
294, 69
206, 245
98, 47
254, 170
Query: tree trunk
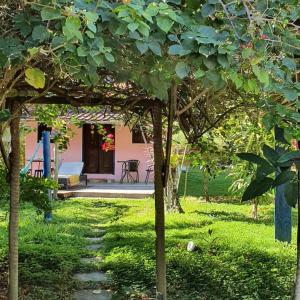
205, 185
161, 288
185, 181
14, 204
172, 197
296, 294
255, 209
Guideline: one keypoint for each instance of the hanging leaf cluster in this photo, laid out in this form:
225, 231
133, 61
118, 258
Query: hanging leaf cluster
273, 163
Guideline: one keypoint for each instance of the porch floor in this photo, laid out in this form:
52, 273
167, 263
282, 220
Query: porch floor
110, 190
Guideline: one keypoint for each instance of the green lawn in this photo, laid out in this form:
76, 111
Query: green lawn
239, 260
217, 186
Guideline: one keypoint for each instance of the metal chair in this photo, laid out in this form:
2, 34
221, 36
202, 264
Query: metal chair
130, 167
38, 173
149, 170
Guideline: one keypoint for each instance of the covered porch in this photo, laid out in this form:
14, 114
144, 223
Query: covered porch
110, 190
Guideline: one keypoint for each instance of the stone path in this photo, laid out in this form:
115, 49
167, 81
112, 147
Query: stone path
95, 276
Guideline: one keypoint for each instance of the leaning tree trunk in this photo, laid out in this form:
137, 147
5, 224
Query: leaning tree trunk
161, 285
14, 203
170, 183
172, 197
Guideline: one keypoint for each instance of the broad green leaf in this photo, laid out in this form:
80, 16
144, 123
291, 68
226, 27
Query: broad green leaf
151, 11
207, 50
91, 16
109, 57
40, 33
206, 31
289, 63
237, 79
164, 23
133, 26
284, 177
35, 77
33, 51
182, 69
82, 51
50, 13
210, 62
253, 158
175, 49
271, 154
251, 86
261, 75
289, 156
257, 188
291, 193
290, 94
144, 29
73, 23
155, 48
90, 34
199, 74
4, 115
142, 47
207, 10
223, 60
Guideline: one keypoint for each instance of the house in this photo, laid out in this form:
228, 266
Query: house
102, 142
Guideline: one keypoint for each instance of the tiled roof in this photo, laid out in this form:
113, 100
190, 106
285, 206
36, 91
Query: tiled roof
102, 116
94, 117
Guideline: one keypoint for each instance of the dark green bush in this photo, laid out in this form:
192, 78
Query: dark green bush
32, 189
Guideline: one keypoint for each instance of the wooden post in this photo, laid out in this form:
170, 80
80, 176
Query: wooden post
161, 289
283, 212
47, 167
14, 178
56, 166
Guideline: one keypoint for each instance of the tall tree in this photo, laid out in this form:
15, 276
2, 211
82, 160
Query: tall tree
83, 52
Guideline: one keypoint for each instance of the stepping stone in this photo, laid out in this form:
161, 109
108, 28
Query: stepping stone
92, 295
92, 276
94, 246
94, 239
91, 260
99, 230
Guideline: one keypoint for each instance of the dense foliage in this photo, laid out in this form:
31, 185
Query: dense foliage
249, 47
33, 189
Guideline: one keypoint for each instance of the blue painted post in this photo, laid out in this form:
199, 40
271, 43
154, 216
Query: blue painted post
47, 166
283, 212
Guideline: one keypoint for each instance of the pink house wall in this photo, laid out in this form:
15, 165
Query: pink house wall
124, 150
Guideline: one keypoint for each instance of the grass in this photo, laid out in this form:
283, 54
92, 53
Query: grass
237, 258
217, 186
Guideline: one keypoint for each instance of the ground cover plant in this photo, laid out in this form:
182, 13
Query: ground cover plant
237, 257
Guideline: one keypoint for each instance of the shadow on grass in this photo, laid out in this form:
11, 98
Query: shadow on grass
236, 217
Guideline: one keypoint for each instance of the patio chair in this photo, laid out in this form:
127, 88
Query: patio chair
70, 173
149, 170
38, 173
130, 167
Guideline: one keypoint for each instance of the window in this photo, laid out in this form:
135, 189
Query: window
137, 136
42, 127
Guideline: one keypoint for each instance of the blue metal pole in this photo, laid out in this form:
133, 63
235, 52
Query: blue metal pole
283, 212
47, 166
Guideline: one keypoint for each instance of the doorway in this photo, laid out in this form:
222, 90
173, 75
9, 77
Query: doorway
97, 160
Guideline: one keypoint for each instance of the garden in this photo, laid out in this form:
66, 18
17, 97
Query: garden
203, 96
236, 256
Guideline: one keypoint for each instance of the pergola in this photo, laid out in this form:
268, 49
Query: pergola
196, 109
